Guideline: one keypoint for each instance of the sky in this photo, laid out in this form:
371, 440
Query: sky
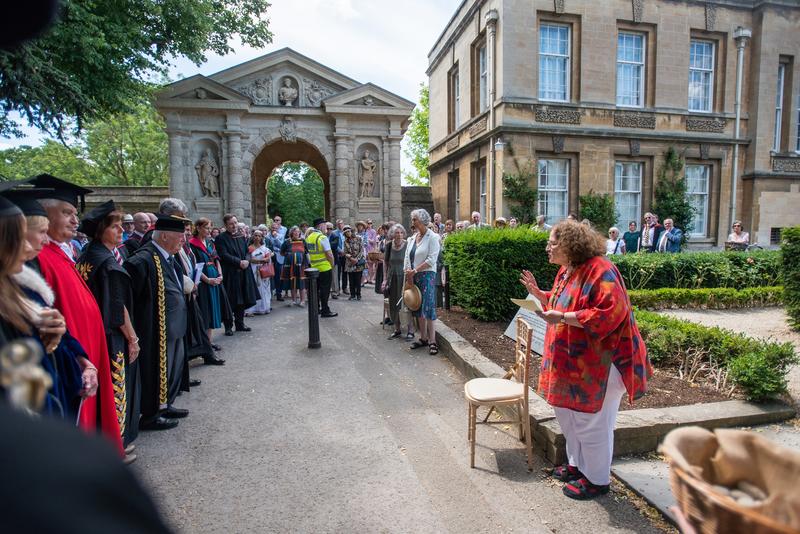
385, 42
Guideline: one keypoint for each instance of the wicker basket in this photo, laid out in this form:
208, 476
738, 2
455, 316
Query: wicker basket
712, 513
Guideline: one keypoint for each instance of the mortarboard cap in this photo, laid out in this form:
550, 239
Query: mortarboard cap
25, 198
62, 190
171, 223
93, 219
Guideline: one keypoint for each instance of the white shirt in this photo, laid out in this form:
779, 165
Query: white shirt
427, 251
613, 247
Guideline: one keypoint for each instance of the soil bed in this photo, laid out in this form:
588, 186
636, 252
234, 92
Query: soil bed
664, 388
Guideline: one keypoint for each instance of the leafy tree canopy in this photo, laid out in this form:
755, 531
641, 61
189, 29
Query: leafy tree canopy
295, 191
99, 57
123, 149
417, 141
599, 209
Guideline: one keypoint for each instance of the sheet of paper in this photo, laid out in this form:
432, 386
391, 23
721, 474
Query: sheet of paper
528, 312
530, 304
198, 270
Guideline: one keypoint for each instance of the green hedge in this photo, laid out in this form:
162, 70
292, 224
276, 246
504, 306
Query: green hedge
485, 266
695, 270
757, 367
713, 298
790, 247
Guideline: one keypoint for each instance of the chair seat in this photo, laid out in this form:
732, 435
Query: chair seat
493, 389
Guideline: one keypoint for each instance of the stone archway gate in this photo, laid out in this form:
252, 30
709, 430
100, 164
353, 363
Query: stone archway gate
219, 125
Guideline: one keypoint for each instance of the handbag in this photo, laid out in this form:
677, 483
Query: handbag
361, 262
266, 270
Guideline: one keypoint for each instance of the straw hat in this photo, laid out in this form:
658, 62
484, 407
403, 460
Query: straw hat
361, 223
412, 298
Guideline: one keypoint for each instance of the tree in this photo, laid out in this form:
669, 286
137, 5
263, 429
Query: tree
517, 188
124, 149
417, 141
51, 157
670, 200
295, 191
599, 209
101, 55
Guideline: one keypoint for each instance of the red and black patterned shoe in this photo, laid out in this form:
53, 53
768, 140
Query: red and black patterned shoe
583, 490
567, 473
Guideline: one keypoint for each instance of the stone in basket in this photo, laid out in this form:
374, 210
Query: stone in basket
734, 481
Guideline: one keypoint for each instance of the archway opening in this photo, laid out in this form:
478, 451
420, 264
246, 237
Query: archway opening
296, 192
276, 156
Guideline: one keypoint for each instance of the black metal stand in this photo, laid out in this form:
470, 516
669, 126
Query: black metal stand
312, 276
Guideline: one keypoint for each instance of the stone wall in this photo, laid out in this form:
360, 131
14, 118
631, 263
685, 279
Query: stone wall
130, 199
414, 197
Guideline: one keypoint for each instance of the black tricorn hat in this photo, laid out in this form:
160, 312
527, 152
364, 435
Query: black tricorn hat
93, 219
171, 223
62, 190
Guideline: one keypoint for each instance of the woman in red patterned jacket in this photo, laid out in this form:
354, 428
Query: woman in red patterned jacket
593, 354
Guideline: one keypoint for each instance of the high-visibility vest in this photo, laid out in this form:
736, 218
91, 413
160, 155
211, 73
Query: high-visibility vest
319, 259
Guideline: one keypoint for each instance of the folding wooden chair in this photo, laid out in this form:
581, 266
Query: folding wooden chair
511, 390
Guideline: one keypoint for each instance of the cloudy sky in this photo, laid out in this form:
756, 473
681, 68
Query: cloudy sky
381, 41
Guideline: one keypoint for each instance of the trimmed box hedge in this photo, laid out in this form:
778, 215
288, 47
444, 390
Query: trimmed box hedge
695, 270
758, 368
485, 266
790, 248
718, 298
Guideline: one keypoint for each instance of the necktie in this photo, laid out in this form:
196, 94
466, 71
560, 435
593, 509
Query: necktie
117, 255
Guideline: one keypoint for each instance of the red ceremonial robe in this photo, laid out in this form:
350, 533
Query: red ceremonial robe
76, 303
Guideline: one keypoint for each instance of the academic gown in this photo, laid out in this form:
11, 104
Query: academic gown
196, 341
147, 270
110, 285
76, 303
239, 283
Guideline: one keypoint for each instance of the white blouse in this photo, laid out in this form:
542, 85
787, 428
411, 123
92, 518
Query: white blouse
427, 251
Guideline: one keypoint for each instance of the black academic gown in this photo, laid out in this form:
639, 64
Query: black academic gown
110, 285
240, 284
150, 323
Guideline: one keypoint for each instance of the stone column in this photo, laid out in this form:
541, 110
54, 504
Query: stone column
342, 205
386, 184
237, 193
177, 171
395, 207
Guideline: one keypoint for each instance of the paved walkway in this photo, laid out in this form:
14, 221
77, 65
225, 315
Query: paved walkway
362, 435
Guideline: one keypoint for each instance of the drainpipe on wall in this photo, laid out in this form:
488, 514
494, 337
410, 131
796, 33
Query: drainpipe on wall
491, 27
741, 36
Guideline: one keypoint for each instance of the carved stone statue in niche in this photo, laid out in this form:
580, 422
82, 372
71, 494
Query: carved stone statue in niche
288, 93
369, 168
287, 130
208, 174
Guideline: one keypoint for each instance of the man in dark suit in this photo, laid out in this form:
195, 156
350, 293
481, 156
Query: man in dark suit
651, 231
238, 279
670, 239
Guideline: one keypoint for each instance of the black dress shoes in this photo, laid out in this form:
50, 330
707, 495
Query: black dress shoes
216, 347
228, 332
213, 360
329, 314
194, 382
243, 328
174, 413
159, 423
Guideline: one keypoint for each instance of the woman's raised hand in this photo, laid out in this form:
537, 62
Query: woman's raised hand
529, 281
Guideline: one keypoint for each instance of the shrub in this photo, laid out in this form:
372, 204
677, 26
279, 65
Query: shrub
671, 201
600, 210
757, 367
485, 267
790, 267
714, 298
700, 269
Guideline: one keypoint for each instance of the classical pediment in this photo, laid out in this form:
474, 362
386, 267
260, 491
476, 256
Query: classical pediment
200, 88
285, 78
368, 96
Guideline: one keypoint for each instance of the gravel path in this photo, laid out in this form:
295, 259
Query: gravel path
764, 323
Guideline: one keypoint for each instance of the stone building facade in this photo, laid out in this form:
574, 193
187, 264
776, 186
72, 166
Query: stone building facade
588, 96
229, 131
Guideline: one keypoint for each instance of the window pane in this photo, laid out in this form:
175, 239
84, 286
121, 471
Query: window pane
553, 184
553, 62
697, 178
630, 69
701, 75
627, 194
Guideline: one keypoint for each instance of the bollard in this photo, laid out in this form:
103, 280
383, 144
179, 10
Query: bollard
312, 277
446, 288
